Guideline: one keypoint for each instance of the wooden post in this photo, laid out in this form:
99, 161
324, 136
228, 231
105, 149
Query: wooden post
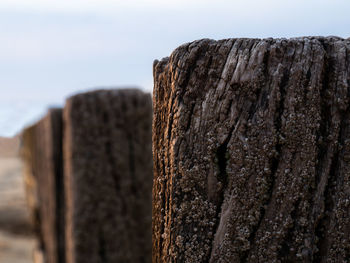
108, 176
42, 154
252, 151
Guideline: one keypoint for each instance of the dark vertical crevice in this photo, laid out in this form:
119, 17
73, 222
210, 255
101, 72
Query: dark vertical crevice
221, 159
306, 83
57, 132
325, 122
321, 220
102, 248
229, 107
190, 117
221, 155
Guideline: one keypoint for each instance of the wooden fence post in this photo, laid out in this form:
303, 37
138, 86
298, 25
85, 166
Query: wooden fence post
43, 174
252, 151
108, 176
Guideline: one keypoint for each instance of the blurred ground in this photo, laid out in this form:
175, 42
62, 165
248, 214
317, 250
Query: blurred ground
16, 239
9, 147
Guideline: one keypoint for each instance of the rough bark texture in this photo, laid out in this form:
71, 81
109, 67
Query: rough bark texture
108, 176
251, 141
42, 153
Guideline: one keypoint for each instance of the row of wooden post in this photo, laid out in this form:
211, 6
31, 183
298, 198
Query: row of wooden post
89, 176
251, 160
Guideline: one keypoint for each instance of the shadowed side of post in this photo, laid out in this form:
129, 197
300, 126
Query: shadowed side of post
43, 173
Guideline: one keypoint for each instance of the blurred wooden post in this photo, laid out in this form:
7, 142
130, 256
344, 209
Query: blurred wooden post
42, 153
252, 151
108, 176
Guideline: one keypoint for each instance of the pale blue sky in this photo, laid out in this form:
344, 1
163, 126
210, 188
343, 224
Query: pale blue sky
50, 49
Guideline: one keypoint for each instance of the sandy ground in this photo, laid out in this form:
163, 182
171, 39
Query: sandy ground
15, 249
9, 147
16, 240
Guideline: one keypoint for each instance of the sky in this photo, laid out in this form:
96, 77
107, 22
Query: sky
51, 49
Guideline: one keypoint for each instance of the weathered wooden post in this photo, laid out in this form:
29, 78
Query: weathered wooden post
108, 176
42, 154
251, 142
